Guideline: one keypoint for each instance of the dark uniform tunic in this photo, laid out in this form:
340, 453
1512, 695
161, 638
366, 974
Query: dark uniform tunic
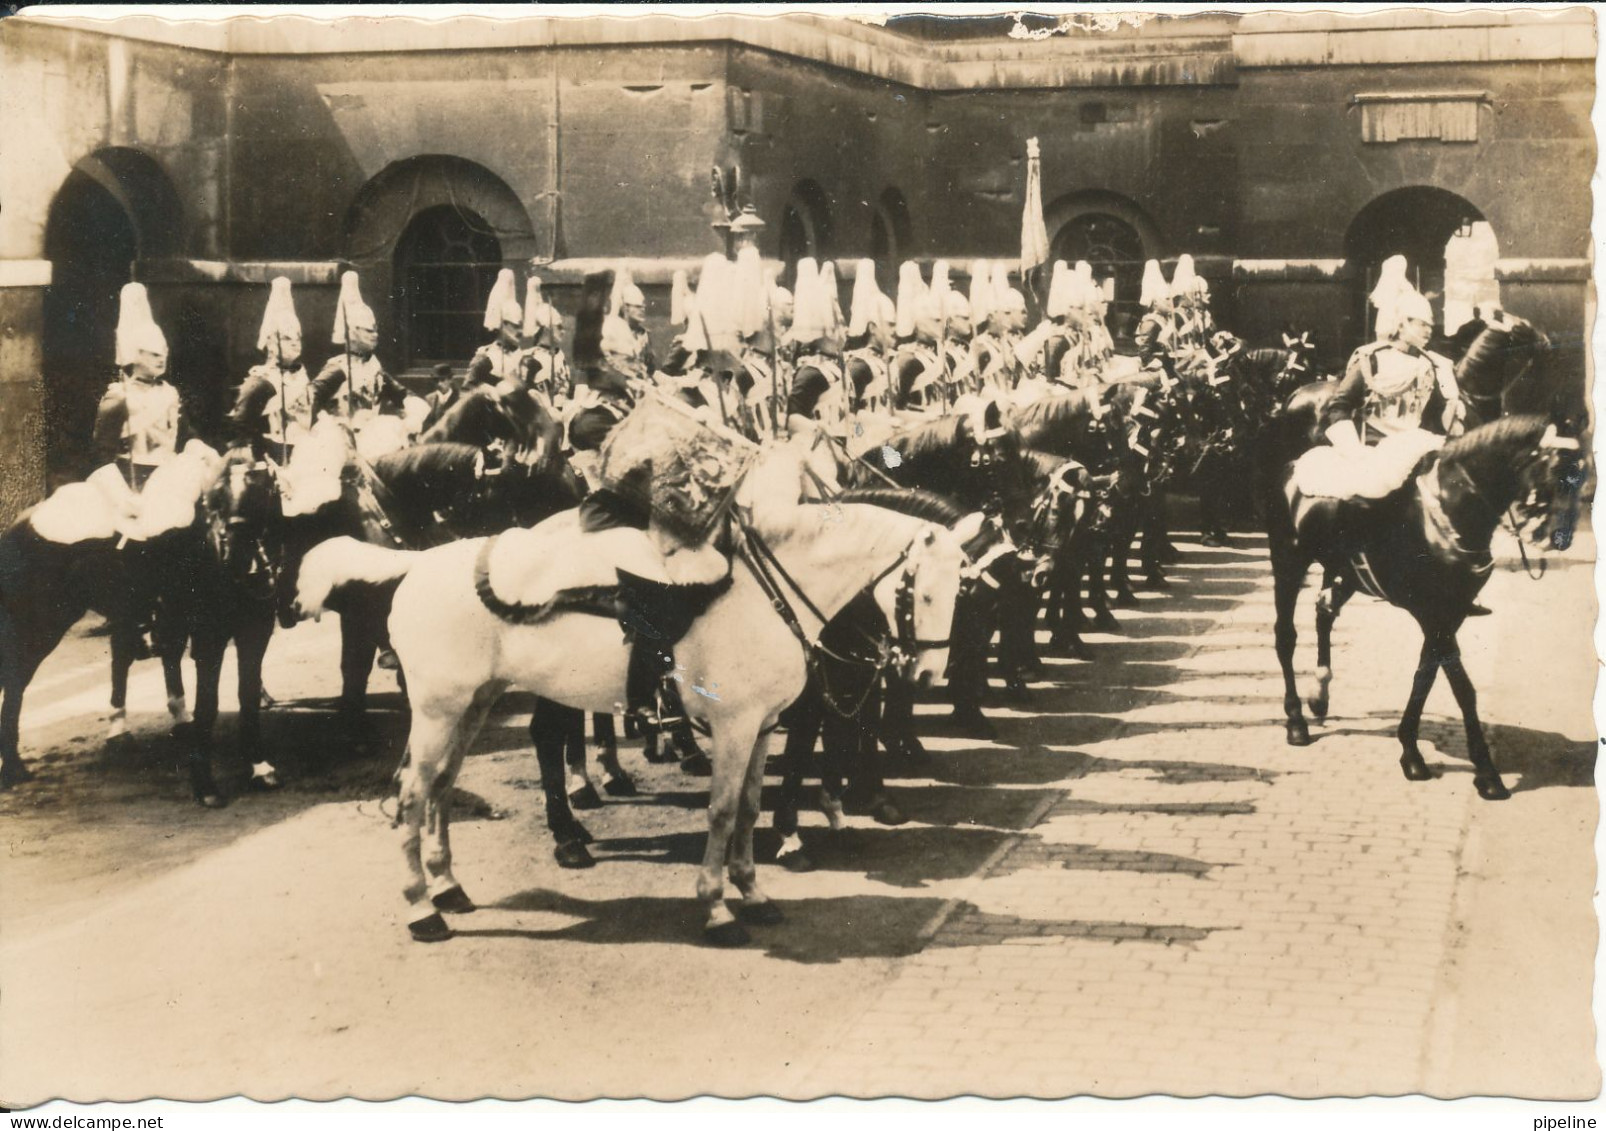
372, 388
262, 413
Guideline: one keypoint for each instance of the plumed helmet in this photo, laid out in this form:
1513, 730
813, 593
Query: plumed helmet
981, 291
502, 304
1154, 290
539, 314
1059, 291
350, 310
1182, 279
679, 299
279, 319
911, 289
137, 330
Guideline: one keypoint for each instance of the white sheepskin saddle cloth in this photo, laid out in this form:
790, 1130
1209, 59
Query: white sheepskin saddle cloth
531, 567
1353, 472
382, 435
313, 478
104, 506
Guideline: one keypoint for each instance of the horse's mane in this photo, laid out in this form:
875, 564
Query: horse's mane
1525, 429
939, 435
927, 505
1042, 464
1055, 408
422, 460
452, 419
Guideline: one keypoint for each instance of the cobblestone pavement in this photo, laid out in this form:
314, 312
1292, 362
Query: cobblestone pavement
1196, 908
1137, 888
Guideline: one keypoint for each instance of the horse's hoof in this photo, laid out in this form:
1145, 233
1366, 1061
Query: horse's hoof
1417, 770
573, 854
454, 901
726, 935
621, 786
885, 812
1214, 541
832, 808
658, 753
1122, 601
971, 723
1155, 581
212, 800
764, 914
697, 765
264, 778
1318, 709
14, 773
1298, 733
586, 797
796, 861
387, 661
1493, 790
431, 928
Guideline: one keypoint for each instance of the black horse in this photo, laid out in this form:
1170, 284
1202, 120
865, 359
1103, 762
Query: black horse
46, 587
1512, 367
993, 476
231, 594
413, 498
1425, 549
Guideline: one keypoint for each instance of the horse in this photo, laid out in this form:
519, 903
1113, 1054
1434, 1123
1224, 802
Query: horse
508, 417
1120, 432
943, 456
72, 554
795, 567
405, 499
1424, 549
233, 595
859, 667
1511, 367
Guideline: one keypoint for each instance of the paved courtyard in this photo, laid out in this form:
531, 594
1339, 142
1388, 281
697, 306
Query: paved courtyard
1137, 888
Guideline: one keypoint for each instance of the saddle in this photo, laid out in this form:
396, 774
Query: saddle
606, 565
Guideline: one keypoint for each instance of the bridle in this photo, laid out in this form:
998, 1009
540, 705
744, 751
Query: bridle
261, 567
774, 581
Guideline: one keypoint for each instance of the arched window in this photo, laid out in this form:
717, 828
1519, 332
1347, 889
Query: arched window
446, 263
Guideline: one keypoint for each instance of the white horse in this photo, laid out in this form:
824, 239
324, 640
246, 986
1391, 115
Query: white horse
796, 567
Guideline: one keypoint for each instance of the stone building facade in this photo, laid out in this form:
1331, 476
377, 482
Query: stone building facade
1288, 153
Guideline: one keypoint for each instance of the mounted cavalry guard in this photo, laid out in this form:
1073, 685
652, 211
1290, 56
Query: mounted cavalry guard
153, 469
1396, 404
1100, 347
992, 358
1156, 334
818, 397
353, 384
872, 333
140, 423
543, 343
602, 395
1395, 386
503, 362
273, 411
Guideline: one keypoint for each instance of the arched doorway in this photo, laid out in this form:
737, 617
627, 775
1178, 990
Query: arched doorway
891, 233
428, 234
446, 263
805, 230
1449, 247
116, 206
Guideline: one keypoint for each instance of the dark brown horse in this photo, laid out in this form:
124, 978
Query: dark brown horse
1425, 549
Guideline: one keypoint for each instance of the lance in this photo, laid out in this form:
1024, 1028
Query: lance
284, 394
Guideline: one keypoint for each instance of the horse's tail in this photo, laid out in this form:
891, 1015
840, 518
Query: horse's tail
329, 568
